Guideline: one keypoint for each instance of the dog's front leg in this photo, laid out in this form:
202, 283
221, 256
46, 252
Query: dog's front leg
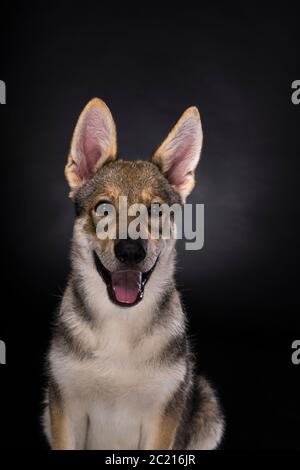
163, 433
62, 437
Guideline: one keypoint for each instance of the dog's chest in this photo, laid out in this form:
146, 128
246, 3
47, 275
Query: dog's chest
121, 385
121, 368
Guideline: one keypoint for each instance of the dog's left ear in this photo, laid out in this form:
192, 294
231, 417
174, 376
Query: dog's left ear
179, 154
94, 143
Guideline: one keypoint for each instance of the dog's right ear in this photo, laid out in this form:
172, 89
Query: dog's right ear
94, 143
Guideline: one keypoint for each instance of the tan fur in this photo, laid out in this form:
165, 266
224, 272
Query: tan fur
165, 432
60, 428
109, 193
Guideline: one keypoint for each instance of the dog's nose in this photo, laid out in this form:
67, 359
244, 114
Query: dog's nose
130, 251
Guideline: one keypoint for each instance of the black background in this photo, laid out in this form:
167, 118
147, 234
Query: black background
149, 64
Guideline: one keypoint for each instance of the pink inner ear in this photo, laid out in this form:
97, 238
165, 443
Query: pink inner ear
183, 152
179, 164
94, 140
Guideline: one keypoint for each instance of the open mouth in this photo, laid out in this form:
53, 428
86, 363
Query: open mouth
126, 287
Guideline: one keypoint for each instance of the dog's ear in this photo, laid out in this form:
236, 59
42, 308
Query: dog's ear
178, 155
94, 143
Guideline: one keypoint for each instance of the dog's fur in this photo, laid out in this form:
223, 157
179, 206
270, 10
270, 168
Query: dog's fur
123, 377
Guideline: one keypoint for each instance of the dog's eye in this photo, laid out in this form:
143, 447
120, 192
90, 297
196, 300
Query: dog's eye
104, 208
155, 210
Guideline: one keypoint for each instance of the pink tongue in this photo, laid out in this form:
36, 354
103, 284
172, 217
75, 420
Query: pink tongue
126, 285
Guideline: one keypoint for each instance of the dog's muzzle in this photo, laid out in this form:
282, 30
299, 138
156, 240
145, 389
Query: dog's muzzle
125, 287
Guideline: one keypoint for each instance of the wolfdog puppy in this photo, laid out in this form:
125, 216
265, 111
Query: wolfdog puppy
120, 370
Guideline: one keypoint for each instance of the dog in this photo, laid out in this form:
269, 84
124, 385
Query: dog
120, 369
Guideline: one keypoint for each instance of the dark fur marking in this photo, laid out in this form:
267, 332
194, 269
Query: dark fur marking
200, 408
166, 298
54, 391
78, 302
66, 339
190, 405
162, 312
174, 350
78, 209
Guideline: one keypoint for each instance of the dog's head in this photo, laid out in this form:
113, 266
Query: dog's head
103, 187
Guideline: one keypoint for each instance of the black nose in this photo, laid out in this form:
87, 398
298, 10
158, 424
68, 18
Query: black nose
130, 251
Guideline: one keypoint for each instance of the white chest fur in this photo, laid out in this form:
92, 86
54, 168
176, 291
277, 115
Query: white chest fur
121, 388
